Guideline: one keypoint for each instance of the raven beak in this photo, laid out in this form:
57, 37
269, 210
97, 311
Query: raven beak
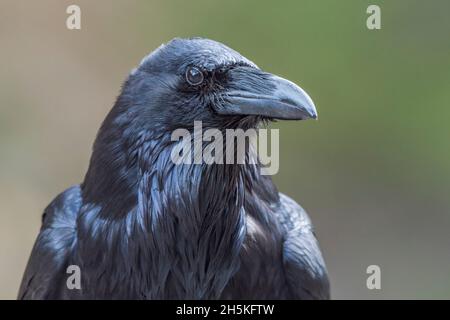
270, 96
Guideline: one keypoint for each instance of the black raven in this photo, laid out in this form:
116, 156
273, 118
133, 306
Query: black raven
142, 227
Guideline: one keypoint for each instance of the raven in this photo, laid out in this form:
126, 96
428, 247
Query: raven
142, 227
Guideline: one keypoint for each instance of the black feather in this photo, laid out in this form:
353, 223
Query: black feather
141, 227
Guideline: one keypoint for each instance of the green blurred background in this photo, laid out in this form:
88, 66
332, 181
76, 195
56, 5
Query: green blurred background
373, 172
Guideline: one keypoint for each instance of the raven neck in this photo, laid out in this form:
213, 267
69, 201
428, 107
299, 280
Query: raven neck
188, 219
197, 221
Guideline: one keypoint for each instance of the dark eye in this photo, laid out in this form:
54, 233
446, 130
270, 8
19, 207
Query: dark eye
194, 76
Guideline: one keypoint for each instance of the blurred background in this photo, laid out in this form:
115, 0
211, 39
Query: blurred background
373, 172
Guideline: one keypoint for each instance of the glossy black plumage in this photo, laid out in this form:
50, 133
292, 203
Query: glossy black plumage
141, 227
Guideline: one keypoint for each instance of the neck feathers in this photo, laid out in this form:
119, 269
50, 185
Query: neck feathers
196, 214
188, 219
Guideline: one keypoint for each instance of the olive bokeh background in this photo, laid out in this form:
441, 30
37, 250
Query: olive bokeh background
373, 172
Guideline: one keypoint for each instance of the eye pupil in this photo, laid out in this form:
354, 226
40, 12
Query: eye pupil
194, 76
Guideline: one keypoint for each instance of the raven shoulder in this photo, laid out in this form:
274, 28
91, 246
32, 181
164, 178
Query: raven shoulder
304, 267
45, 272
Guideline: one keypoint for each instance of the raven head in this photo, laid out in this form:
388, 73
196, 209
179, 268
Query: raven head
183, 81
200, 79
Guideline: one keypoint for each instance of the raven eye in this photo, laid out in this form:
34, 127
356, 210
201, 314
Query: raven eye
194, 76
